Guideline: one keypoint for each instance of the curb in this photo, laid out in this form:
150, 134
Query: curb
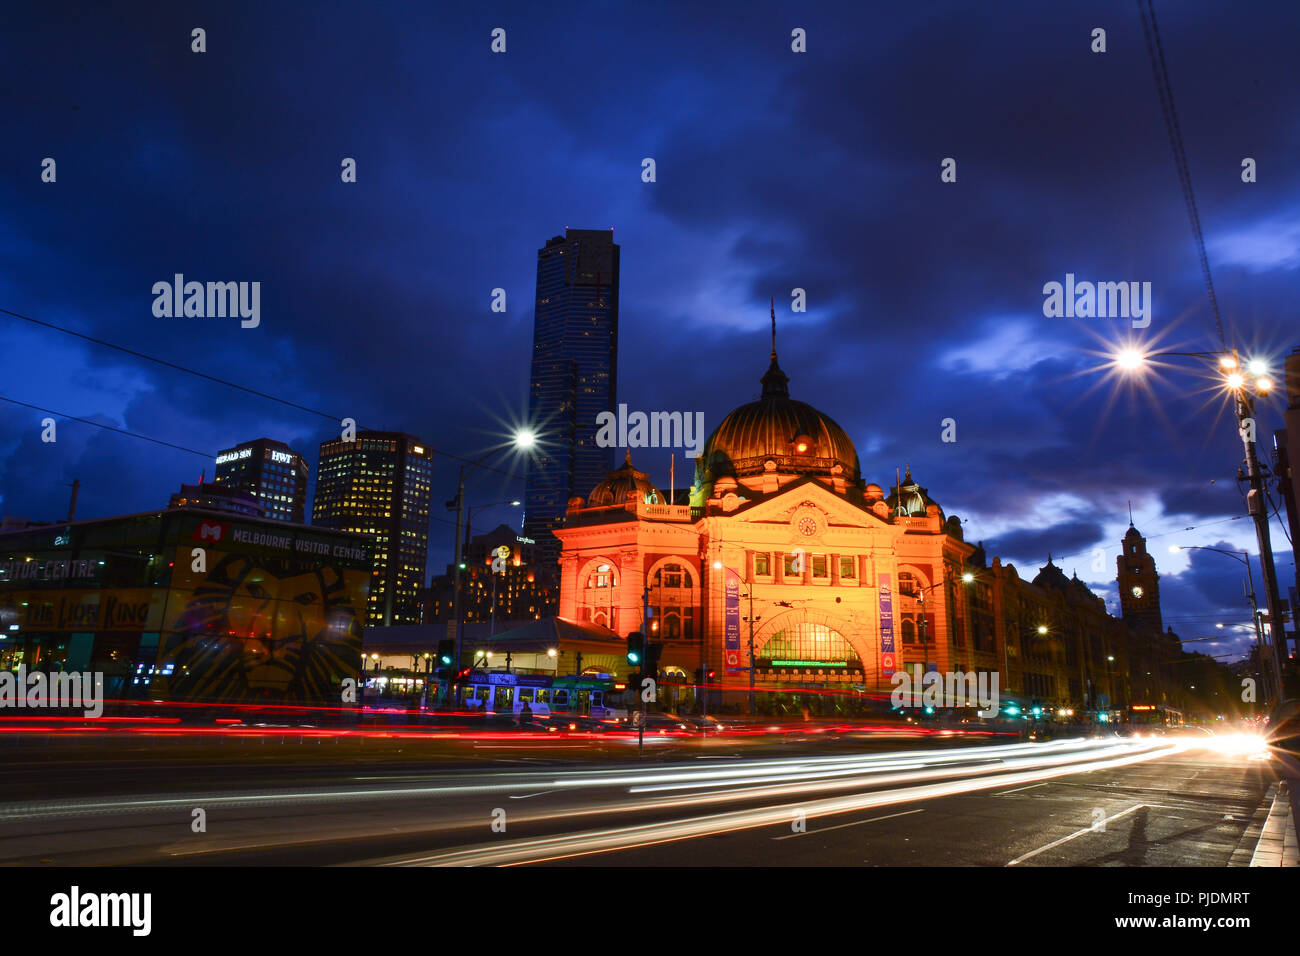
1277, 841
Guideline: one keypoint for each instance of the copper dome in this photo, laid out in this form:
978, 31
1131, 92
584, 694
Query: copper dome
792, 435
622, 484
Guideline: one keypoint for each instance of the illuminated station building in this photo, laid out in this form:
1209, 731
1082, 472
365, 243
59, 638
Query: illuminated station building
844, 582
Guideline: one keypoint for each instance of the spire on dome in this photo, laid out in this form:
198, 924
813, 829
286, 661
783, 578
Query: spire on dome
773, 304
776, 384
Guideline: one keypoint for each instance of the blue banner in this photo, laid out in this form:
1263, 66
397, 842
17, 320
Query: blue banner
888, 661
731, 619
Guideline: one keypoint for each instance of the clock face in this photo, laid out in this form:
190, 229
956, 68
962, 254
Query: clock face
1137, 591
807, 526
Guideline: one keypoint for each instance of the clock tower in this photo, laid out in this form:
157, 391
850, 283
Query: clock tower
1139, 585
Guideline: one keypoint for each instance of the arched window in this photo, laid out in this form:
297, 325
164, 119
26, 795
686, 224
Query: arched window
599, 593
672, 576
674, 602
907, 584
909, 631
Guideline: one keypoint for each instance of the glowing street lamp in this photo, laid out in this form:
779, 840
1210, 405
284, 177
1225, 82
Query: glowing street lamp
523, 439
1243, 384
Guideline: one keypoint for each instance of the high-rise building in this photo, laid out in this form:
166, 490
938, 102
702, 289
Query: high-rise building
1139, 584
380, 484
269, 471
573, 376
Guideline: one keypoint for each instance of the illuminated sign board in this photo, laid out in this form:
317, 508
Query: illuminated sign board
810, 663
235, 455
282, 457
522, 540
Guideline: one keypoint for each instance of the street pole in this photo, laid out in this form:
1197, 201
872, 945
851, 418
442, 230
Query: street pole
1257, 507
645, 653
751, 648
456, 595
1254, 618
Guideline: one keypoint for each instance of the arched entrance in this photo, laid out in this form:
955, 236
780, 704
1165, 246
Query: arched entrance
809, 664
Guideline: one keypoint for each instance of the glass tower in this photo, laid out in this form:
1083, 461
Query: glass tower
573, 377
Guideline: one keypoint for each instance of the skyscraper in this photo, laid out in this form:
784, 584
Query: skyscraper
380, 484
271, 472
573, 376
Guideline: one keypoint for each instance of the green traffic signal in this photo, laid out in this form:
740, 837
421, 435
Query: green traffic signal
633, 657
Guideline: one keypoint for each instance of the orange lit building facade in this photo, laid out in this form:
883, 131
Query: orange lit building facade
813, 553
844, 583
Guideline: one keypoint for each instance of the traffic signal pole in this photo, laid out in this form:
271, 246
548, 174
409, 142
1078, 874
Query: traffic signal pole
645, 641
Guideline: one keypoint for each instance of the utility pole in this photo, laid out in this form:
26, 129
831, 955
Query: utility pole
72, 504
1257, 508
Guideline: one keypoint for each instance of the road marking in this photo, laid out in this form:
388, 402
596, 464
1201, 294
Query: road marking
591, 842
527, 795
1019, 789
1077, 833
855, 823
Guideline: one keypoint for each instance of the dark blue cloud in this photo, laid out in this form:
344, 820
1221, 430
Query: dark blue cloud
775, 171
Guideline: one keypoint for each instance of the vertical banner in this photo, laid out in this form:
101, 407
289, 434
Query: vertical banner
887, 658
731, 622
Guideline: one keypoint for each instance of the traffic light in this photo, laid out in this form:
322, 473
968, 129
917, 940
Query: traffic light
635, 648
652, 652
446, 651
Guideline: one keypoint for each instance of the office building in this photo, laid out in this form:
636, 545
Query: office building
271, 472
379, 484
573, 376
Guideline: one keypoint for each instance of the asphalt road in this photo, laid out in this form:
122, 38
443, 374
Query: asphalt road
840, 800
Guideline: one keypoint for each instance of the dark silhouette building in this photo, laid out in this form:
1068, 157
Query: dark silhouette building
573, 376
210, 496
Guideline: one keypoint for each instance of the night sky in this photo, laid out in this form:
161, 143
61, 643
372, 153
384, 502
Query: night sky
775, 170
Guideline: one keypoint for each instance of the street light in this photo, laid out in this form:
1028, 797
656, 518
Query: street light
1243, 392
523, 440
718, 566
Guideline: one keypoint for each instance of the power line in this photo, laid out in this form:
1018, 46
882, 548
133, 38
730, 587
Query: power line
1155, 50
219, 381
120, 431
